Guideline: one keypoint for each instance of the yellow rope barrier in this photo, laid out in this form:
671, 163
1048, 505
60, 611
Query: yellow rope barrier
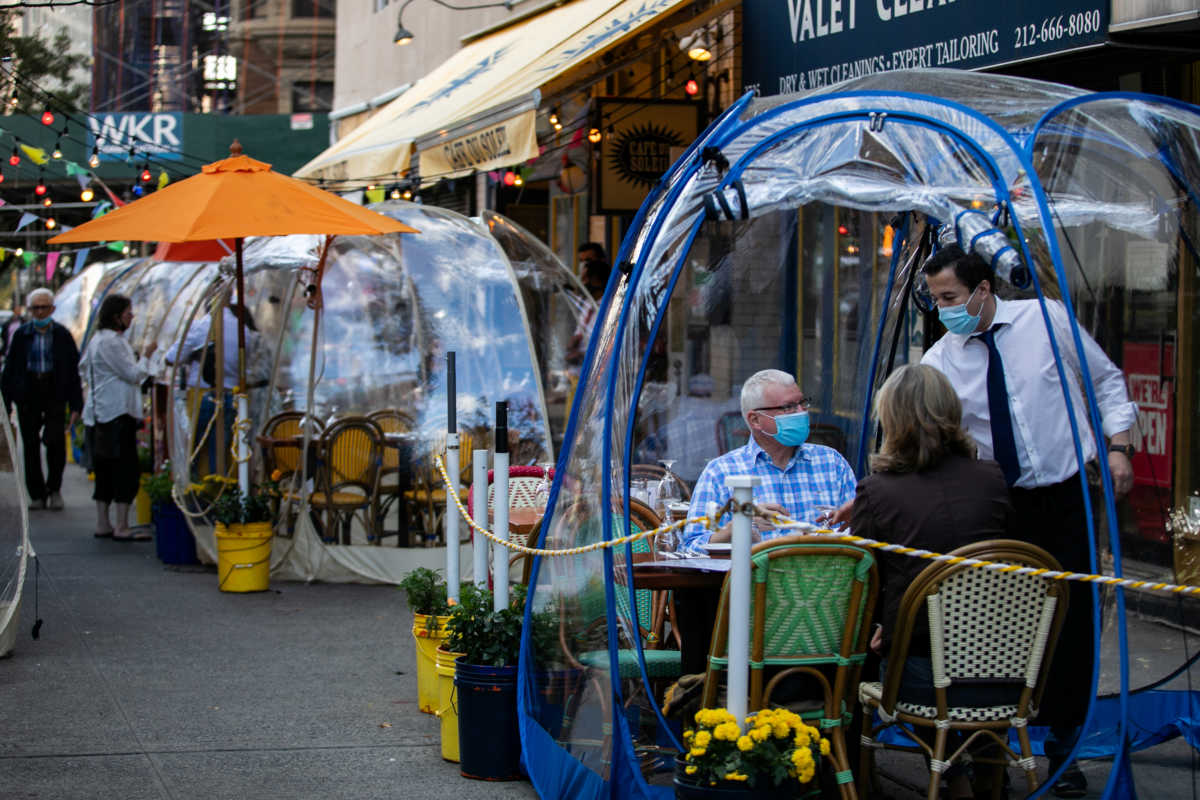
785, 523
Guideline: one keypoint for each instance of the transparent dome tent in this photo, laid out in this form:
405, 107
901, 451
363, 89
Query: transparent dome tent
788, 236
390, 308
79, 297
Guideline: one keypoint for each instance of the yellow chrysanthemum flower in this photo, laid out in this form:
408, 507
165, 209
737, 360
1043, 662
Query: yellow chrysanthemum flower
727, 731
691, 769
745, 743
696, 752
702, 716
702, 739
801, 739
735, 776
824, 747
781, 729
760, 734
687, 735
806, 775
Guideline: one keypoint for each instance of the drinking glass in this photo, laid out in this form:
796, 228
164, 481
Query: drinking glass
541, 494
668, 490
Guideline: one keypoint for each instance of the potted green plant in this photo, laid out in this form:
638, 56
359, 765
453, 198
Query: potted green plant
775, 756
173, 539
426, 592
485, 679
243, 535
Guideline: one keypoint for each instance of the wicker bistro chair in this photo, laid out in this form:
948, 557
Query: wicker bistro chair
351, 456
426, 498
987, 628
389, 420
282, 451
522, 493
810, 608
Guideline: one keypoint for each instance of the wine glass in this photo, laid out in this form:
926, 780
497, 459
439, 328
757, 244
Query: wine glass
668, 490
541, 494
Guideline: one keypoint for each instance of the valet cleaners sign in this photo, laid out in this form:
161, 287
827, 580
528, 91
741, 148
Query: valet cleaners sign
807, 44
150, 134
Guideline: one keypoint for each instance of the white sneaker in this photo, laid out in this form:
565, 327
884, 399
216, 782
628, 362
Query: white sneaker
55, 502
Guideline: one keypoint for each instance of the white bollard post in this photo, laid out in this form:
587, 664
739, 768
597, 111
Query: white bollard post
479, 512
500, 527
243, 443
452, 534
738, 690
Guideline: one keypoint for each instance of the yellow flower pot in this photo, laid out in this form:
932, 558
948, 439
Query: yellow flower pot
244, 557
428, 638
447, 710
141, 504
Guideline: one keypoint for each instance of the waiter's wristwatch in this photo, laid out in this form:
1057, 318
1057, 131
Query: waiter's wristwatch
1127, 449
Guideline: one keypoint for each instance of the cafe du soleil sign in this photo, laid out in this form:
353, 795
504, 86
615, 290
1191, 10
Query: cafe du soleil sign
806, 44
640, 143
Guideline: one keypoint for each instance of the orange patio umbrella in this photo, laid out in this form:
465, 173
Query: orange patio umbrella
232, 199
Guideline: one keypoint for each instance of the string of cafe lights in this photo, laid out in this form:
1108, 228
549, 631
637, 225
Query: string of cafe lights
54, 3
567, 130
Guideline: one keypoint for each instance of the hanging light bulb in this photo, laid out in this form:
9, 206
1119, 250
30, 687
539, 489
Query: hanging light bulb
395, 193
553, 120
146, 176
125, 250
47, 201
594, 136
510, 178
94, 160
15, 158
14, 100
407, 195
20, 251
1, 176
47, 117
518, 180
57, 149
40, 189
691, 87
87, 194
50, 223
558, 126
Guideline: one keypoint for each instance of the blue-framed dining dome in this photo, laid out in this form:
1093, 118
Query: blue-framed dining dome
789, 236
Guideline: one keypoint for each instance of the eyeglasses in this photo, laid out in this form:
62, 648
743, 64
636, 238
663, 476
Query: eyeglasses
791, 408
40, 308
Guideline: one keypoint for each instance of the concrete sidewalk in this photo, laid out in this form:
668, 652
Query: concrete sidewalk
147, 682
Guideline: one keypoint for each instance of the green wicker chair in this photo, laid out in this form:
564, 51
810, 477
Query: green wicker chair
810, 607
660, 663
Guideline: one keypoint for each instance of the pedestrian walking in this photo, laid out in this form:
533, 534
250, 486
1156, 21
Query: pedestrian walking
41, 378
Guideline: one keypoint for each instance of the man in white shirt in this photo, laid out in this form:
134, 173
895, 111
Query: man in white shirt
998, 356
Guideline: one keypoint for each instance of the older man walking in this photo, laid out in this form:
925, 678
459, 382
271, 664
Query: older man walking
41, 378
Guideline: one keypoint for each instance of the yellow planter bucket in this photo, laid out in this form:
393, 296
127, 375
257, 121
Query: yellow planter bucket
447, 703
428, 639
141, 505
244, 557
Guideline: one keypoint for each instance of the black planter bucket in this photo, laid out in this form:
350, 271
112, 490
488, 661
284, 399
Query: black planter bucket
489, 743
173, 540
685, 789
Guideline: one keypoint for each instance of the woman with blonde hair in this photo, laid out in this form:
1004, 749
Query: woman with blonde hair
928, 491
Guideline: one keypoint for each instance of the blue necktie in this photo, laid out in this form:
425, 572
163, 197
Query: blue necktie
1004, 446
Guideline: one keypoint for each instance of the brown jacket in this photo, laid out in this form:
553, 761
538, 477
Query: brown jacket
955, 503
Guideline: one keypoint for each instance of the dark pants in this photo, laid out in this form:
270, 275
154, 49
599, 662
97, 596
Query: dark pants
1053, 518
43, 422
117, 478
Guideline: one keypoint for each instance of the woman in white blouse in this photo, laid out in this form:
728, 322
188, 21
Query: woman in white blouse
112, 408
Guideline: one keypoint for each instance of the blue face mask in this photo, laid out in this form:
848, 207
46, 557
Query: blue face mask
957, 319
791, 430
42, 324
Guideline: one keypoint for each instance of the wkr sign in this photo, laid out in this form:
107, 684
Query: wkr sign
148, 133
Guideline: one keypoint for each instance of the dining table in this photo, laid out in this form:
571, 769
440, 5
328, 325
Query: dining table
695, 585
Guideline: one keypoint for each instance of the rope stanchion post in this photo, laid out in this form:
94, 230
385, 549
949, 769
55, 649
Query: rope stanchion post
739, 597
500, 509
479, 493
452, 488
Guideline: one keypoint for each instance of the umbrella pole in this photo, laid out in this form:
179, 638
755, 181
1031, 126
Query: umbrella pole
243, 402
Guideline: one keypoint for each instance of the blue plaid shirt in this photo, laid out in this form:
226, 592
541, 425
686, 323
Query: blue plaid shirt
40, 357
816, 476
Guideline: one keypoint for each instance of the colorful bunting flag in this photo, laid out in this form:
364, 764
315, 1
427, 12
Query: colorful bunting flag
36, 154
374, 195
163, 179
81, 259
75, 169
116, 247
102, 208
28, 256
51, 264
26, 219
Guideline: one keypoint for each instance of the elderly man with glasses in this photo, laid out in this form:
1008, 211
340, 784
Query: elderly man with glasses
799, 479
41, 378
